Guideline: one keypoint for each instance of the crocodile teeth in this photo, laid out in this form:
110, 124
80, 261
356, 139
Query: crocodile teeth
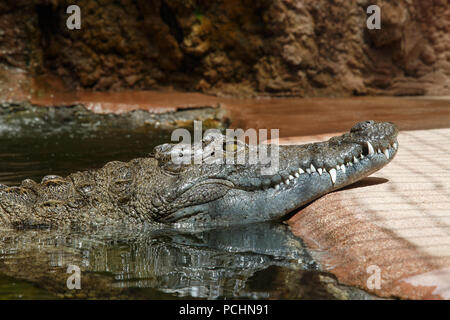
386, 153
343, 168
361, 156
313, 169
277, 187
355, 160
379, 151
371, 150
320, 171
287, 181
308, 170
333, 175
338, 167
395, 145
300, 170
297, 174
291, 177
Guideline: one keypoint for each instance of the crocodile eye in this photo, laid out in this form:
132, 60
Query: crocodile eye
231, 146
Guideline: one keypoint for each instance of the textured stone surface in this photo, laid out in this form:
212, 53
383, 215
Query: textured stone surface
278, 47
397, 220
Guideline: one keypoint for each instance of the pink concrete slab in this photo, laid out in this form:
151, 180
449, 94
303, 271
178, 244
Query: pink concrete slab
393, 226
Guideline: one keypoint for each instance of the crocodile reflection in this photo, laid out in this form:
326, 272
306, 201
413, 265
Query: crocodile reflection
208, 264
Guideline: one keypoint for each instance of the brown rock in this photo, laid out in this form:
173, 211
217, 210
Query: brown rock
239, 47
131, 80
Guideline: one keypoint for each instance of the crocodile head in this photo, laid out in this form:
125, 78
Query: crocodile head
209, 190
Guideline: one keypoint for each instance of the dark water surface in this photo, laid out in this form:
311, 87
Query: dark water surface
35, 157
253, 261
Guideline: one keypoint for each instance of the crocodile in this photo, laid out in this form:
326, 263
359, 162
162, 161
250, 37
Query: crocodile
156, 190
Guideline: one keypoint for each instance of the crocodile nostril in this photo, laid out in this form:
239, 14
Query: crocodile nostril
360, 126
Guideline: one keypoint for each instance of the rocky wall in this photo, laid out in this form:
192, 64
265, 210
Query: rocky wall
228, 47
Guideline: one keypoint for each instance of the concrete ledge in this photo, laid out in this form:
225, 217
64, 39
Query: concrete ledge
397, 220
125, 101
292, 116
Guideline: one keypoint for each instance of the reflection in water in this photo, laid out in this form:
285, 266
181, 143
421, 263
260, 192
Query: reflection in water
208, 264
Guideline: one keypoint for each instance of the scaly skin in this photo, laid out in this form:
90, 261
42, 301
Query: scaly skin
155, 190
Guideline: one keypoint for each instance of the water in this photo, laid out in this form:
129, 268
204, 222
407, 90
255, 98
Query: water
34, 157
221, 263
257, 261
